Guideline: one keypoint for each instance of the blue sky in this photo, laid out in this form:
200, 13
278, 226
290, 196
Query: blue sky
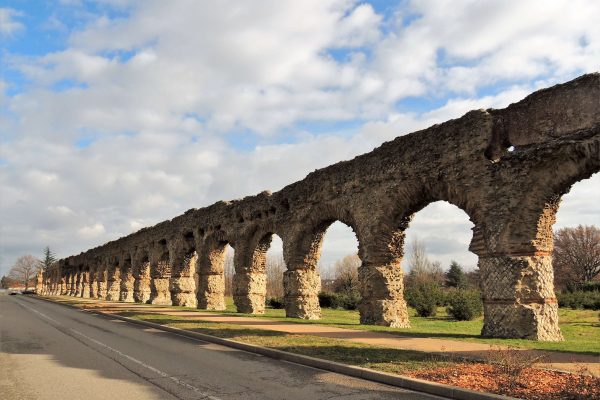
118, 114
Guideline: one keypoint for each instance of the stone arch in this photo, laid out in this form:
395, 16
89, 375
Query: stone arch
304, 248
301, 252
85, 280
184, 259
250, 279
160, 273
127, 279
141, 275
383, 249
102, 274
211, 287
113, 278
517, 273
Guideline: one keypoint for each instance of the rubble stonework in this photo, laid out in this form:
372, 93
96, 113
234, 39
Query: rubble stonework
507, 169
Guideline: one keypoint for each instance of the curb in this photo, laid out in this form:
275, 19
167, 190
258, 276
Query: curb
418, 385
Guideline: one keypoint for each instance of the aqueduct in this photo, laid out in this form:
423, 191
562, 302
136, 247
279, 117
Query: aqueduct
507, 169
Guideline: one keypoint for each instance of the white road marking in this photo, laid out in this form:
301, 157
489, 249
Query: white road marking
128, 357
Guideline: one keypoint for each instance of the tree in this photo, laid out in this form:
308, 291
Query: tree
24, 270
49, 258
455, 277
421, 268
576, 256
6, 282
275, 269
346, 274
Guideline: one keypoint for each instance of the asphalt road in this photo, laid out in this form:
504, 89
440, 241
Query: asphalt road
48, 351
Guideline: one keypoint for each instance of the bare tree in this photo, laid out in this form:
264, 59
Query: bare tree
24, 270
576, 256
275, 269
229, 270
417, 257
421, 269
346, 273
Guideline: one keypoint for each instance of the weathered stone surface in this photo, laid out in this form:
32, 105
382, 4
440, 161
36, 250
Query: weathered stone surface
249, 292
211, 292
507, 169
518, 295
159, 291
302, 287
183, 291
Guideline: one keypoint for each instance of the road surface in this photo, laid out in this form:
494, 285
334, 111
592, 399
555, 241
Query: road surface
48, 351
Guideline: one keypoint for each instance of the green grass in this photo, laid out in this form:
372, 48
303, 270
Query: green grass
363, 355
580, 328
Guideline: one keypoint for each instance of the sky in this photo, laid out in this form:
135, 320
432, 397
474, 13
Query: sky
118, 114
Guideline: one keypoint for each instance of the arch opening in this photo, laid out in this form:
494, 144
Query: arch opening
338, 264
576, 241
274, 268
437, 260
228, 256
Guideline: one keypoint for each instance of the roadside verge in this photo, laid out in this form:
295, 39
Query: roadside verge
401, 381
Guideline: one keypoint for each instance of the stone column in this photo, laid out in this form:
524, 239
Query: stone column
182, 284
127, 282
518, 297
160, 272
72, 283
39, 282
211, 278
85, 284
141, 284
301, 282
63, 285
102, 283
93, 285
78, 284
382, 295
301, 288
250, 279
113, 283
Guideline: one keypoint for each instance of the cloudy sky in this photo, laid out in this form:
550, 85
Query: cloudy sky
118, 114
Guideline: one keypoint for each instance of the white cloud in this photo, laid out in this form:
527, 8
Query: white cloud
8, 24
92, 231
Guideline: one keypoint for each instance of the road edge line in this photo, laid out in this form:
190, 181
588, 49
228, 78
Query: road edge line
401, 381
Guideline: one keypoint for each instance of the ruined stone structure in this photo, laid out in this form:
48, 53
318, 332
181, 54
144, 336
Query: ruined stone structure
507, 169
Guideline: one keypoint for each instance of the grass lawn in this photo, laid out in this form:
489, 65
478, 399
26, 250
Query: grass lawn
581, 328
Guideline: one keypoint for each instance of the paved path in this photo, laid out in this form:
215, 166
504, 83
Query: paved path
48, 351
556, 360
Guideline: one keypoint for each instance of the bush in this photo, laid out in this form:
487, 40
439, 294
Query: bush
592, 286
328, 300
275, 302
348, 300
588, 300
425, 297
465, 305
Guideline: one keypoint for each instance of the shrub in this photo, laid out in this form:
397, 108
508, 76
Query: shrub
589, 300
465, 305
328, 300
424, 297
349, 300
591, 286
275, 302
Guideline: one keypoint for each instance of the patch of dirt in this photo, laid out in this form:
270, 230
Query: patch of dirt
530, 383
